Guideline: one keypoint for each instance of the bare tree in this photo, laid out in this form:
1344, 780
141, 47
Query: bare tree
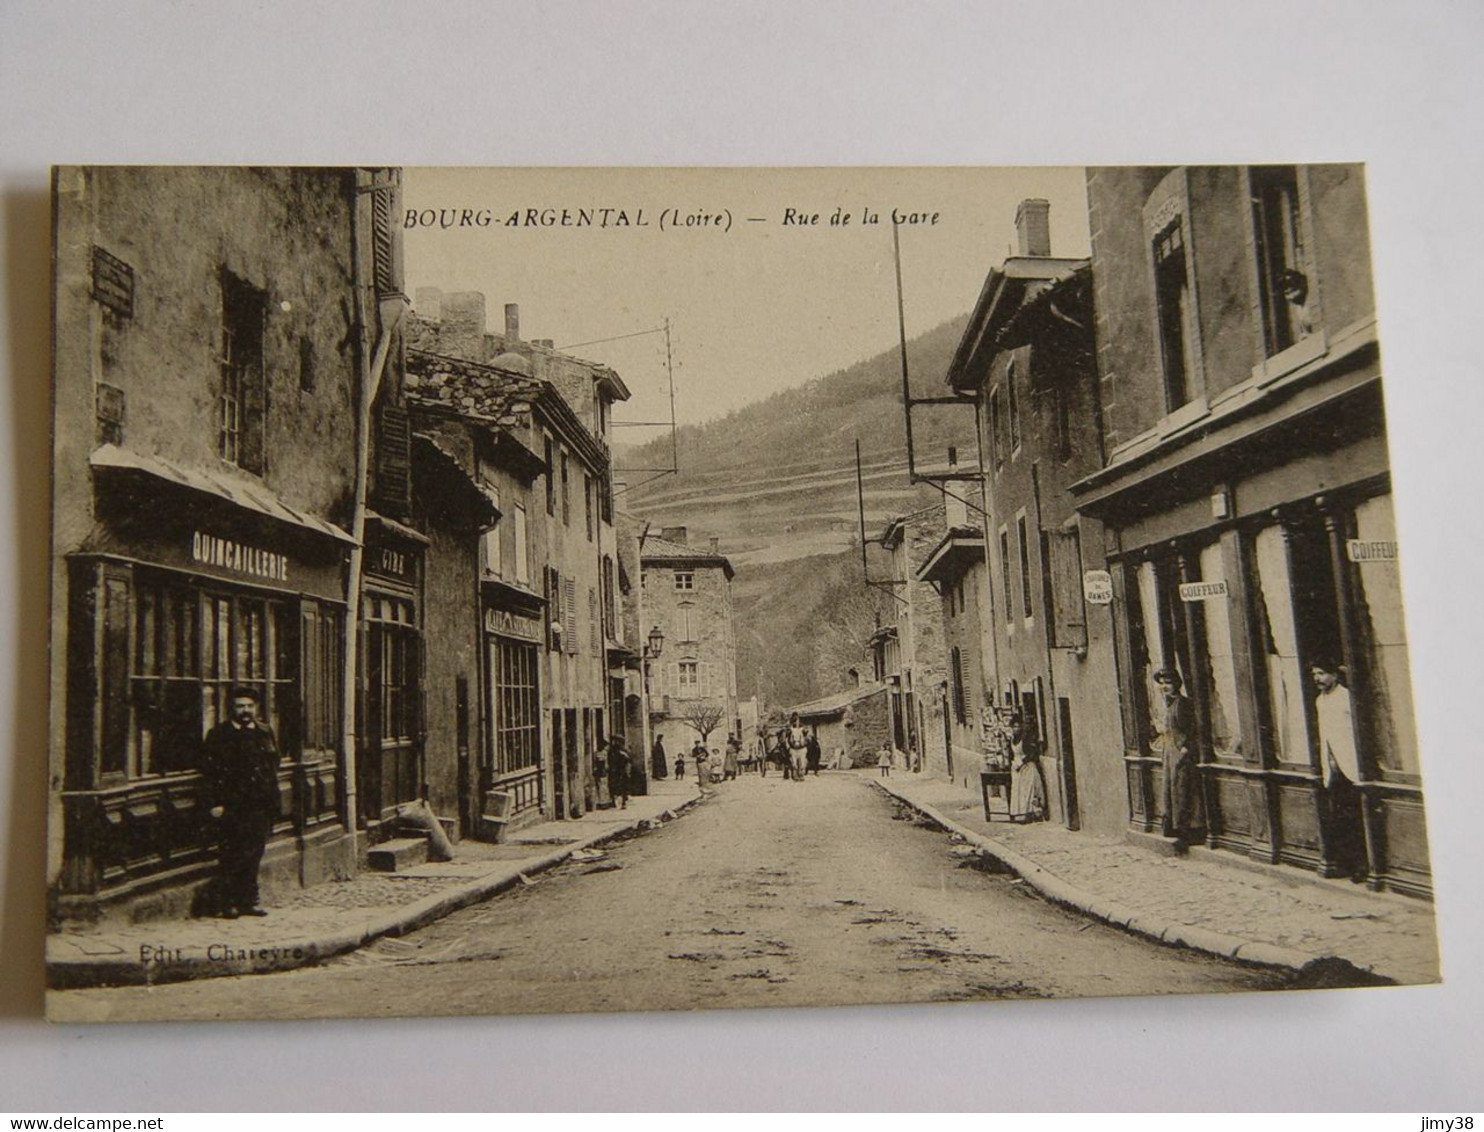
702, 717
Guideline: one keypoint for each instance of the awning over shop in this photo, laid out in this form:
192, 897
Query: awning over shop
113, 460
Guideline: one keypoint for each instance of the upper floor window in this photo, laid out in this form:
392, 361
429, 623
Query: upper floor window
956, 685
1025, 569
566, 489
550, 478
1175, 312
997, 452
1005, 577
685, 580
243, 405
587, 502
689, 677
1283, 281
522, 549
1012, 402
685, 622
491, 541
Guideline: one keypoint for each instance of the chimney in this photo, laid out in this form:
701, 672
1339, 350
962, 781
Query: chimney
428, 302
673, 534
1033, 227
512, 323
462, 324
955, 508
715, 549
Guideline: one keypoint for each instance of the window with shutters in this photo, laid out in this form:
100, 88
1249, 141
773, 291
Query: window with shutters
491, 542
594, 625
553, 590
1009, 612
1175, 313
685, 623
394, 461
956, 684
383, 206
610, 619
522, 547
550, 477
1026, 608
566, 489
242, 407
688, 678
587, 503
1063, 551
996, 447
1283, 274
569, 614
1012, 401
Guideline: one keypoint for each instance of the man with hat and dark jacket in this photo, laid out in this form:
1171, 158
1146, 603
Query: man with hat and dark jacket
239, 771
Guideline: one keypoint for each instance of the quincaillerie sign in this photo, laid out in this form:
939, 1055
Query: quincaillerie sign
239, 558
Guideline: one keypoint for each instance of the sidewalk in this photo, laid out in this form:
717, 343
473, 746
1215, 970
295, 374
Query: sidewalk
1210, 900
333, 918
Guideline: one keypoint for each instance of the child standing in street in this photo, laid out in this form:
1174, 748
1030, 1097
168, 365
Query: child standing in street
883, 760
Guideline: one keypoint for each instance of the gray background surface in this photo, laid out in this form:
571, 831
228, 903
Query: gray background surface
1398, 86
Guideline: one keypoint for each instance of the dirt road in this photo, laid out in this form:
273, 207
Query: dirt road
771, 893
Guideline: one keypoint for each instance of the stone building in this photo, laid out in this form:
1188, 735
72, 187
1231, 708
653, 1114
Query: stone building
1246, 501
554, 556
955, 567
687, 592
855, 721
1027, 358
219, 336
475, 476
908, 655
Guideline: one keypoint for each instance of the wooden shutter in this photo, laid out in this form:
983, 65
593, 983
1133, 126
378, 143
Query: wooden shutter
1068, 610
382, 220
594, 627
254, 454
394, 465
569, 613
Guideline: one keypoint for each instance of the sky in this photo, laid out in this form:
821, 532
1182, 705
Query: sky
754, 305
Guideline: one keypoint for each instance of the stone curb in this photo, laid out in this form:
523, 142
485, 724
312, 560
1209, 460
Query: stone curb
112, 971
1119, 915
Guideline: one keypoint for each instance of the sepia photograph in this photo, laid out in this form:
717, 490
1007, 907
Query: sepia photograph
580, 590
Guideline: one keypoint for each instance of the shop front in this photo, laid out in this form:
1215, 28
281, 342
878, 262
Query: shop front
511, 773
389, 763
1241, 575
183, 592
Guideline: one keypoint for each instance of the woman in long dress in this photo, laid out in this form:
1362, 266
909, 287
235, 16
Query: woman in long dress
1183, 821
1027, 791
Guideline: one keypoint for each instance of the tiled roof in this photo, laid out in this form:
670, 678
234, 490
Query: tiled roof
656, 549
829, 705
470, 389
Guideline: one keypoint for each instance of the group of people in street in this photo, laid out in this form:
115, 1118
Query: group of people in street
795, 750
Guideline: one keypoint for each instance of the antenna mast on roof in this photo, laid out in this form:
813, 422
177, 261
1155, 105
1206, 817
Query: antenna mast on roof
674, 468
910, 402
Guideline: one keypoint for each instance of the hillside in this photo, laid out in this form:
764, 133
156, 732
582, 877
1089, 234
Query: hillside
775, 482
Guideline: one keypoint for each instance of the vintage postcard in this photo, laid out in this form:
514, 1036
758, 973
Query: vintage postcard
571, 590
